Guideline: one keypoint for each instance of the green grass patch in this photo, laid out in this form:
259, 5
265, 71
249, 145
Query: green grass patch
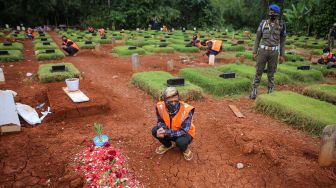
106, 40
124, 51
158, 49
290, 56
247, 54
14, 46
300, 75
323, 92
233, 47
322, 68
183, 48
41, 46
303, 112
14, 55
209, 80
82, 45
42, 55
45, 75
249, 72
155, 82
139, 42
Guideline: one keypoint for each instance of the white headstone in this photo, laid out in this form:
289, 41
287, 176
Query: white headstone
8, 113
194, 28
161, 28
7, 26
2, 76
18, 28
135, 62
23, 28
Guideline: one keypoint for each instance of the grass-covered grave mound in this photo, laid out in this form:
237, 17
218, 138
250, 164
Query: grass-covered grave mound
44, 55
128, 50
250, 71
45, 73
11, 46
12, 55
311, 75
209, 80
156, 81
323, 92
302, 112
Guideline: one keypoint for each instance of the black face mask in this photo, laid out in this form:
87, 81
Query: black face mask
272, 17
172, 108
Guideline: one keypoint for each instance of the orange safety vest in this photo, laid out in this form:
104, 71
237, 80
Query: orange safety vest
176, 122
73, 44
325, 59
216, 45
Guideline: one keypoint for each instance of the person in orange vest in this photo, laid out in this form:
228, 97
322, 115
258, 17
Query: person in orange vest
174, 123
69, 46
30, 33
213, 47
101, 31
327, 57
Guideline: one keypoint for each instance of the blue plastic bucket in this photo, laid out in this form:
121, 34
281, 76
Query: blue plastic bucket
100, 140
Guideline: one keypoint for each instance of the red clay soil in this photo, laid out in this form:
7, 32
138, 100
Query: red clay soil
273, 153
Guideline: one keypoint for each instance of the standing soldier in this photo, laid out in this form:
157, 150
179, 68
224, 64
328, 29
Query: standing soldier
332, 36
270, 40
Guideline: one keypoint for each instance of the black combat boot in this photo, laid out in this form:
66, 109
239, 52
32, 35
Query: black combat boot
270, 90
253, 94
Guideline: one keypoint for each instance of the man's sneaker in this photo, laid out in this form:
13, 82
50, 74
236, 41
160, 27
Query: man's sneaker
253, 94
187, 154
163, 149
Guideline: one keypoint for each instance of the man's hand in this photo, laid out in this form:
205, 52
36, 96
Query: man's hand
254, 57
282, 59
160, 133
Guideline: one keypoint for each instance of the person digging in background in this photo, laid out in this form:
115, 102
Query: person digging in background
213, 47
69, 46
174, 123
101, 32
332, 36
30, 33
196, 42
270, 39
327, 57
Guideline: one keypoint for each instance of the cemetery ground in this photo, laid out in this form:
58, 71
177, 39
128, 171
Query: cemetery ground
274, 154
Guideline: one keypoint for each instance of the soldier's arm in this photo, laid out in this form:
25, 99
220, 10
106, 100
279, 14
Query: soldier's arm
283, 40
258, 38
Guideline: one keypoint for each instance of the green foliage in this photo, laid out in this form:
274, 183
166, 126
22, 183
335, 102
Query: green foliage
98, 128
233, 47
210, 81
323, 92
124, 51
247, 55
155, 82
45, 75
14, 55
42, 55
303, 112
14, 46
249, 72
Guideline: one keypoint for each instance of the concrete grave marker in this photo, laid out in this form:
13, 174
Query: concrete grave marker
2, 76
8, 113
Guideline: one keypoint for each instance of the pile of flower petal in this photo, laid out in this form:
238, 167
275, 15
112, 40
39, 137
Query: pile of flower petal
105, 167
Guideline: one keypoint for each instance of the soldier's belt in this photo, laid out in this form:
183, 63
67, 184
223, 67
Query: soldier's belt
269, 47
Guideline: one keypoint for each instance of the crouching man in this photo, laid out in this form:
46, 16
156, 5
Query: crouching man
174, 123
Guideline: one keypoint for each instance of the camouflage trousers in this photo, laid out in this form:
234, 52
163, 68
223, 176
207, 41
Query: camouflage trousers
269, 58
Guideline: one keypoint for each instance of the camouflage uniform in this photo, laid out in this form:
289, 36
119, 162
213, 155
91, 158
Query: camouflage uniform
270, 40
332, 36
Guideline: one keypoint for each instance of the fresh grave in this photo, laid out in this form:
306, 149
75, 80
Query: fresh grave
10, 55
49, 54
128, 50
64, 108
